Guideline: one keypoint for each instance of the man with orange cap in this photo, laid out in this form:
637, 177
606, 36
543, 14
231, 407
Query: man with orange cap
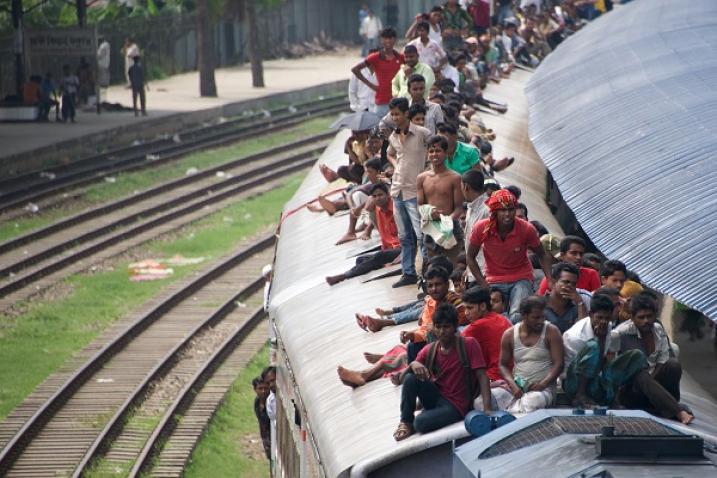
506, 240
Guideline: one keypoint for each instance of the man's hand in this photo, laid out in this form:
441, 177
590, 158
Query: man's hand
517, 392
406, 337
537, 387
435, 214
420, 370
407, 70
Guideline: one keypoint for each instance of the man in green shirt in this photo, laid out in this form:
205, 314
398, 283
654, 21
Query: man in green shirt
460, 157
399, 85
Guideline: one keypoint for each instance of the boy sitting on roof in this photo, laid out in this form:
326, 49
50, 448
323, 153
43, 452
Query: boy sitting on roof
444, 377
572, 249
390, 246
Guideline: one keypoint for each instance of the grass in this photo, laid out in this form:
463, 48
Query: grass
220, 451
36, 343
127, 183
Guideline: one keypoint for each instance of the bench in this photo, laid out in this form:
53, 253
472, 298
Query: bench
19, 113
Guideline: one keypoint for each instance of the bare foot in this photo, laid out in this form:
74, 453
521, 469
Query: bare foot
372, 358
328, 173
348, 237
314, 208
350, 377
383, 312
361, 320
333, 280
375, 325
395, 378
685, 417
365, 236
327, 205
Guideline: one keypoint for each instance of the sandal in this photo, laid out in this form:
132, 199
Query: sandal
403, 431
361, 321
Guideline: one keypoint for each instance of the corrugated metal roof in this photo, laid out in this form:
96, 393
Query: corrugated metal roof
624, 115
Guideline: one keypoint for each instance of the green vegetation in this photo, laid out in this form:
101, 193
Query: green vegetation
125, 184
222, 451
45, 336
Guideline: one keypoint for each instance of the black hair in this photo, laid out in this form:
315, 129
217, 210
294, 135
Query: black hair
564, 266
457, 274
410, 49
459, 57
608, 268
373, 163
445, 314
416, 109
256, 381
447, 128
608, 291
568, 240
400, 103
446, 85
522, 206
438, 96
379, 185
267, 371
439, 140
600, 302
423, 24
437, 272
590, 257
373, 50
415, 78
437, 8
517, 192
531, 302
502, 294
441, 261
388, 32
643, 301
633, 276
477, 295
542, 230
473, 179
492, 185
485, 148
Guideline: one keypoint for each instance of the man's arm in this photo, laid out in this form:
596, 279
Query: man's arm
356, 70
506, 358
555, 345
473, 263
484, 384
457, 198
396, 84
421, 194
546, 263
391, 156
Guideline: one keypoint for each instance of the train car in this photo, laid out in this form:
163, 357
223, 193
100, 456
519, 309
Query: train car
325, 428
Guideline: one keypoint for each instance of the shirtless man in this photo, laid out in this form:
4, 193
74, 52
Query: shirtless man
439, 186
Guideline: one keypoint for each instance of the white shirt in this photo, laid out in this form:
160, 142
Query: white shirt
451, 73
271, 412
361, 97
103, 55
435, 35
575, 338
132, 51
633, 336
431, 54
371, 26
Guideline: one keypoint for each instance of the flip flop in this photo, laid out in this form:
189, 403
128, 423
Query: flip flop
403, 431
361, 321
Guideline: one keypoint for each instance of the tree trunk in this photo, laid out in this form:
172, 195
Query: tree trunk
257, 69
17, 23
205, 51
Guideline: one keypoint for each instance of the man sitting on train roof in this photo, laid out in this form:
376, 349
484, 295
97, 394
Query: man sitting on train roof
440, 202
572, 249
506, 240
613, 273
444, 377
656, 388
390, 245
531, 360
590, 377
564, 304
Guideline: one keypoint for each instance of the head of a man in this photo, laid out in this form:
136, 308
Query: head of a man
445, 323
269, 377
601, 314
416, 87
592, 261
460, 62
477, 302
472, 184
613, 273
379, 193
388, 38
614, 296
437, 282
502, 206
643, 309
417, 114
410, 55
490, 186
532, 310
521, 211
422, 29
260, 388
437, 148
566, 276
372, 167
435, 16
398, 109
572, 249
449, 132
497, 300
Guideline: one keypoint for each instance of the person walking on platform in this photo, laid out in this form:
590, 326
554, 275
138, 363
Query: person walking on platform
130, 50
136, 80
69, 85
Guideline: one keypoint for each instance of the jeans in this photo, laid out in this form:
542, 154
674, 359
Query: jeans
516, 291
380, 110
408, 314
413, 349
68, 107
368, 44
505, 12
371, 262
408, 221
437, 411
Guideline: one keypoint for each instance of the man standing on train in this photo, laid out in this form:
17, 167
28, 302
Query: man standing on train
506, 240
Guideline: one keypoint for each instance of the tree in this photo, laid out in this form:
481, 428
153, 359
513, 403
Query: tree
205, 51
255, 54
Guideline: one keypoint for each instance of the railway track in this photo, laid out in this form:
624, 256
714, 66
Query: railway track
185, 337
36, 260
19, 191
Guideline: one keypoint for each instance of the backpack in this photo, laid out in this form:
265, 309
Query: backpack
461, 347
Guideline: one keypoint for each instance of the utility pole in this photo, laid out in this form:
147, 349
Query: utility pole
205, 51
81, 6
17, 23
255, 56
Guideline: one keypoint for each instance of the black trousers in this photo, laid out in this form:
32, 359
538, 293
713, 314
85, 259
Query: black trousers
371, 262
657, 393
142, 99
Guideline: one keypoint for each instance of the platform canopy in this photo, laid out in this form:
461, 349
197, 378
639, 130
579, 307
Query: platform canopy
624, 115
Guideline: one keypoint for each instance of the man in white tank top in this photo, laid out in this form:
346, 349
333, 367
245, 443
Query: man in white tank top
535, 348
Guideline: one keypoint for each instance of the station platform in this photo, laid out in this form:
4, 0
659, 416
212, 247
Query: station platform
171, 102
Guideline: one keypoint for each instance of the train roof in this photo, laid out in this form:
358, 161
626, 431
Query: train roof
630, 138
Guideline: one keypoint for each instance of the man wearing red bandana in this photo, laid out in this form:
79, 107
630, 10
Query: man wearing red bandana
505, 240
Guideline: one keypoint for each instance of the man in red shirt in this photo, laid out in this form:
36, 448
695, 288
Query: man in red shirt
506, 240
572, 249
387, 230
486, 327
385, 64
439, 379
